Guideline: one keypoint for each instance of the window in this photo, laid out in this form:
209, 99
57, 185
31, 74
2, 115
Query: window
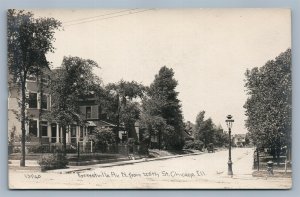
73, 131
33, 130
73, 134
44, 102
53, 132
45, 79
44, 128
31, 78
88, 113
32, 100
81, 132
124, 137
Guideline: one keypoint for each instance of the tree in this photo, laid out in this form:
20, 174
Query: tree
103, 137
122, 105
151, 120
221, 137
163, 110
269, 106
208, 132
205, 129
199, 125
247, 139
29, 40
129, 114
70, 83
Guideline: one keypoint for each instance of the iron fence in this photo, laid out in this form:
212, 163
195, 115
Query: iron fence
80, 147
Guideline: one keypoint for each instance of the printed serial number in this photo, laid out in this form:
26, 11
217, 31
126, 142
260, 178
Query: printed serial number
32, 176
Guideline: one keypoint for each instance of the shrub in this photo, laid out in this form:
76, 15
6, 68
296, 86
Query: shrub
12, 136
71, 149
188, 144
143, 149
197, 145
102, 138
130, 141
16, 149
10, 149
53, 161
36, 149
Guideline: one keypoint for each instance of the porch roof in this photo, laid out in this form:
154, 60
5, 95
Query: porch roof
90, 124
100, 123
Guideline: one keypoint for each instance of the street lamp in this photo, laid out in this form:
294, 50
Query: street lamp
229, 122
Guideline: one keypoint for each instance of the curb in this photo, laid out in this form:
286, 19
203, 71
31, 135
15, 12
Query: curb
121, 163
94, 162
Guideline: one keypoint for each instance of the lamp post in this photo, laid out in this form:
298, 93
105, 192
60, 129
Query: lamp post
229, 122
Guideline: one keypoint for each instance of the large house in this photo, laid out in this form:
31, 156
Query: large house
92, 113
38, 102
40, 131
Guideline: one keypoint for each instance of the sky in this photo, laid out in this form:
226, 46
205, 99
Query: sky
208, 49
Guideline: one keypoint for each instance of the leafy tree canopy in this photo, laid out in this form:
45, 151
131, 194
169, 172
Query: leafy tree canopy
29, 39
73, 81
162, 110
269, 106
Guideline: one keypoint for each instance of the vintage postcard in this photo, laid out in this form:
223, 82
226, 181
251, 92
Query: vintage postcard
149, 98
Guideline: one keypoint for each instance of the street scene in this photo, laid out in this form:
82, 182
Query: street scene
149, 99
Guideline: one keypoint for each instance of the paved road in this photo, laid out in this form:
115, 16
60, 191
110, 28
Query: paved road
207, 170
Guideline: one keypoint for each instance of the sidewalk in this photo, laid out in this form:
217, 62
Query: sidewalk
73, 169
243, 170
29, 163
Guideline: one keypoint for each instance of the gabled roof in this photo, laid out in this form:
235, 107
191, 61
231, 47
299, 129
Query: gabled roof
100, 123
187, 134
240, 136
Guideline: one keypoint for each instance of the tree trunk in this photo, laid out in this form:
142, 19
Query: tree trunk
23, 118
278, 155
273, 152
41, 111
289, 153
64, 140
118, 122
159, 139
149, 144
257, 158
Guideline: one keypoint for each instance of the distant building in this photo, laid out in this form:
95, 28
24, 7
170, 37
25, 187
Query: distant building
239, 140
189, 131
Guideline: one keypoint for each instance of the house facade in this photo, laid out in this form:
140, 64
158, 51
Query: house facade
239, 140
91, 112
39, 130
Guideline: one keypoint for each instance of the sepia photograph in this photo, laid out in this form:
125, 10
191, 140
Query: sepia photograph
194, 98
